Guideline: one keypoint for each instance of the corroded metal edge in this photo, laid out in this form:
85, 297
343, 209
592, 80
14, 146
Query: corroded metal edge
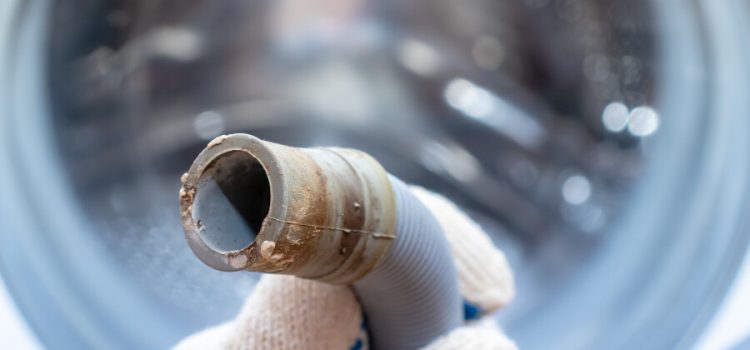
332, 214
235, 260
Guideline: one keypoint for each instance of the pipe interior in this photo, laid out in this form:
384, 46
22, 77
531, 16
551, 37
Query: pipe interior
231, 201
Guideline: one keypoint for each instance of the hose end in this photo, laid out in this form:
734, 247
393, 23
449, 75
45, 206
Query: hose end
327, 214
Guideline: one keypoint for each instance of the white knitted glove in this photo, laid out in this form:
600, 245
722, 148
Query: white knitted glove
286, 312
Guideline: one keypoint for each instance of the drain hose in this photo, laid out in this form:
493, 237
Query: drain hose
328, 214
412, 296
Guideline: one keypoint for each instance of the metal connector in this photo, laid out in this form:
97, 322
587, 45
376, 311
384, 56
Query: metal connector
327, 214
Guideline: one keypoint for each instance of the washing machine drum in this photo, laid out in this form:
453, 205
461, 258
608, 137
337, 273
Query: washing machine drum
602, 144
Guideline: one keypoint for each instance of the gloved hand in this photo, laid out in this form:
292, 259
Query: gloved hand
287, 312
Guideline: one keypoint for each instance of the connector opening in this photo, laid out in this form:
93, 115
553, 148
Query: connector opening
232, 200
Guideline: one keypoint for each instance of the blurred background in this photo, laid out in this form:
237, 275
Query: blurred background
603, 144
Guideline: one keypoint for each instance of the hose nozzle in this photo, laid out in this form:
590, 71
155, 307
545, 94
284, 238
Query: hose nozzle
327, 214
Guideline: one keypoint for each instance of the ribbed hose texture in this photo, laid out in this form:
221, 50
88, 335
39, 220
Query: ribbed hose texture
412, 296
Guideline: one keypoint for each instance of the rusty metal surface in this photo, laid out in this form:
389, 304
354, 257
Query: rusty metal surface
331, 215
